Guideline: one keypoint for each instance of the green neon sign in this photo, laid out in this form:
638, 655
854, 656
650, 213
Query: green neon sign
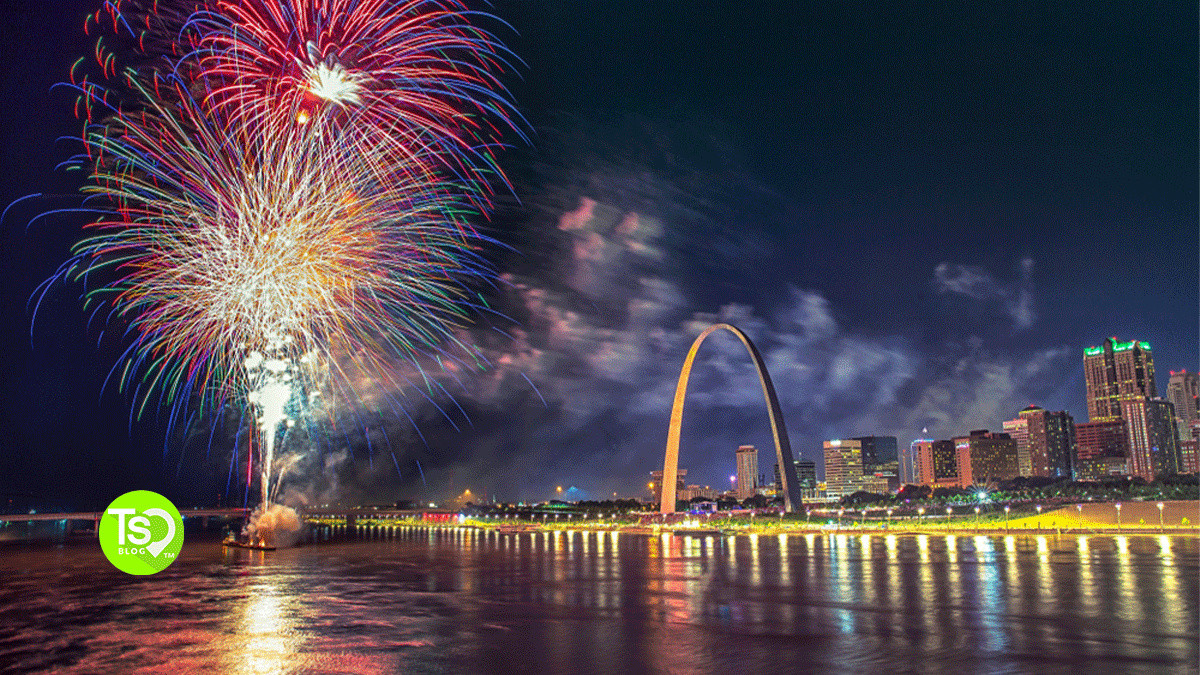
1092, 351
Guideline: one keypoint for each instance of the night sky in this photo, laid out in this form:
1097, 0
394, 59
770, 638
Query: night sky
921, 213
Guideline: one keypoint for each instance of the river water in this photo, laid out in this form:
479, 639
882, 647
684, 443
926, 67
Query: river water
466, 601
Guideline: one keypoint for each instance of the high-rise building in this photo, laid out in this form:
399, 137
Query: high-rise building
888, 473
1182, 389
1050, 437
881, 461
1152, 436
937, 463
1117, 371
806, 474
909, 471
843, 467
878, 449
747, 471
985, 457
1019, 430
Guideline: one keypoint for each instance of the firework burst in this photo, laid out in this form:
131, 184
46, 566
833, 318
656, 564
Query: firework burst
215, 252
287, 190
412, 80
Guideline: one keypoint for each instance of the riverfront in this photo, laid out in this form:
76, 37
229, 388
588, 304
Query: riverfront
421, 599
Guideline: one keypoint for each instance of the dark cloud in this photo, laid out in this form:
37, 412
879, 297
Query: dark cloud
976, 283
605, 330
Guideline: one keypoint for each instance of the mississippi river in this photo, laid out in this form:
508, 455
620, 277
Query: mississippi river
468, 601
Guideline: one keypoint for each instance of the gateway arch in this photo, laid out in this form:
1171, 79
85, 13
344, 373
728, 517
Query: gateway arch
783, 449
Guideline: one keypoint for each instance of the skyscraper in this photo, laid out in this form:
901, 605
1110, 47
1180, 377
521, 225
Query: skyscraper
843, 467
1182, 389
937, 464
747, 471
1050, 437
1153, 438
1117, 371
985, 457
910, 473
806, 474
878, 449
1019, 430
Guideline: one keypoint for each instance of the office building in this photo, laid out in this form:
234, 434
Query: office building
1152, 435
985, 458
747, 471
888, 472
693, 491
1102, 450
909, 468
878, 449
1189, 462
1050, 437
1101, 439
843, 467
1019, 430
1099, 468
937, 463
1117, 371
806, 474
1182, 390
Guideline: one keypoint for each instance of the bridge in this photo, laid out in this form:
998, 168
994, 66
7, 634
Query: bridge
347, 514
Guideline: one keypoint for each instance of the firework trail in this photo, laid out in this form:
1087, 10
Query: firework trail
287, 189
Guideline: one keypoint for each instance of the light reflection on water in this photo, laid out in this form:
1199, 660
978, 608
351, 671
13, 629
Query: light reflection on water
467, 601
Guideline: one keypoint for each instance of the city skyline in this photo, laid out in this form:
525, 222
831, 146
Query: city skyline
913, 237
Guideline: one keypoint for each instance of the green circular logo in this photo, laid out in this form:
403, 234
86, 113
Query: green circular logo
141, 532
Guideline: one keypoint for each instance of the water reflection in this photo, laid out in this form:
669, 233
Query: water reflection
267, 638
466, 601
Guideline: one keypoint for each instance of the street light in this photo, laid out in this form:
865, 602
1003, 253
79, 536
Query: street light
1007, 508
949, 512
921, 515
1079, 515
840, 512
1161, 527
1039, 510
889, 520
977, 518
1118, 505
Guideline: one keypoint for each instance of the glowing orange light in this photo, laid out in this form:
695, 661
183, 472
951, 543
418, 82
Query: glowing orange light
302, 117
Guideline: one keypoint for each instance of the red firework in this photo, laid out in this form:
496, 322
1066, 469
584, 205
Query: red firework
409, 78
